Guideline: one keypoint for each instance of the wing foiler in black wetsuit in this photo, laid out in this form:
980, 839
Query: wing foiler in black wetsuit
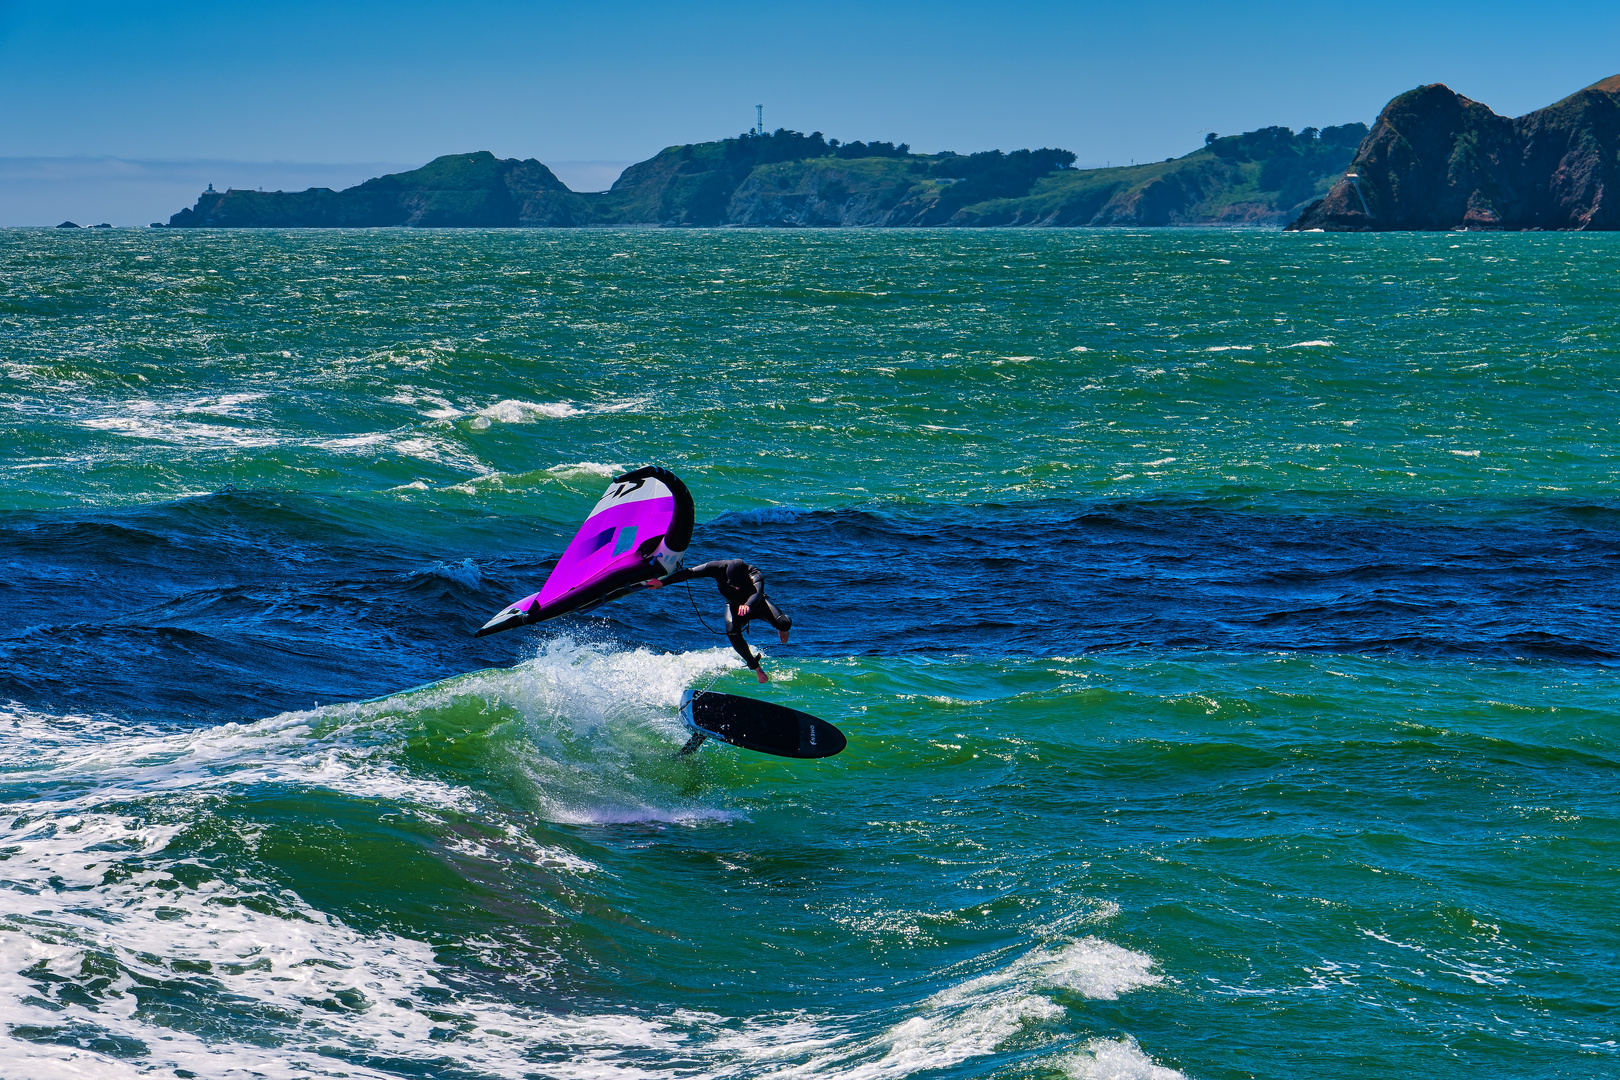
742, 585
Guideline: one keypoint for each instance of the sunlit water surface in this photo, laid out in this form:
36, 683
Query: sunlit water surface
1223, 624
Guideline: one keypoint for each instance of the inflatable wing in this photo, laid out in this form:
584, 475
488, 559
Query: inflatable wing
638, 531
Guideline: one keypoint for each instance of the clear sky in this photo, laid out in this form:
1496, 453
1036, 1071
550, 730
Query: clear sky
363, 81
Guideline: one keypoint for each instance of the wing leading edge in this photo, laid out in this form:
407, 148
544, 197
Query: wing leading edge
638, 531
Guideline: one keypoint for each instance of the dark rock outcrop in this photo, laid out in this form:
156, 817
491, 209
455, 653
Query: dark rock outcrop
69, 225
1436, 160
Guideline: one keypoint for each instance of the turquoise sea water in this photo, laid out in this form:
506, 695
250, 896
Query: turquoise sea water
1223, 624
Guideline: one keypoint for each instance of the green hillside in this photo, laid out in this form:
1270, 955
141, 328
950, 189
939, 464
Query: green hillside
788, 179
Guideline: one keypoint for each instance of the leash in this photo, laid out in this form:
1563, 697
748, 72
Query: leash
717, 633
693, 601
712, 680
697, 739
690, 599
721, 633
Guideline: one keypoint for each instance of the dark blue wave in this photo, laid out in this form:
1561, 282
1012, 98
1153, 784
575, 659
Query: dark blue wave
1054, 579
238, 605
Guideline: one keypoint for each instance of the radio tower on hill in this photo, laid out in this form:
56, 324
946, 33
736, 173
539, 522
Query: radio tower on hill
759, 119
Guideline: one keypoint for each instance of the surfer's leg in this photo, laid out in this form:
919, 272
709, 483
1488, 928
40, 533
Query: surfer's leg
777, 619
734, 634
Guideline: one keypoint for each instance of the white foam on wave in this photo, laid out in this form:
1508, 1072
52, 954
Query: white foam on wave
360, 442
437, 451
438, 406
432, 447
179, 432
356, 754
225, 404
168, 423
587, 468
518, 411
1097, 969
1116, 1059
170, 420
297, 977
97, 906
591, 716
92, 901
92, 897
588, 715
975, 1017
514, 411
587, 686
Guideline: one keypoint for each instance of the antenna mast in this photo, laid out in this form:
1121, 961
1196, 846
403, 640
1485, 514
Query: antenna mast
759, 118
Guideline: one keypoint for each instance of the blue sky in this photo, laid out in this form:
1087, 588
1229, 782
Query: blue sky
346, 83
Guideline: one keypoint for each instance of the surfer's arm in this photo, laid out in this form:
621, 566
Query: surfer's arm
708, 570
759, 592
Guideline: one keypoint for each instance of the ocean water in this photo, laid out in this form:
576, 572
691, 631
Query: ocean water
1223, 624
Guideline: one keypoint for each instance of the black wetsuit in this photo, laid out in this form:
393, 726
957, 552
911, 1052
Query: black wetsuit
742, 585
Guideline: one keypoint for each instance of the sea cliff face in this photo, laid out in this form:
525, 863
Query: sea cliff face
1437, 160
786, 179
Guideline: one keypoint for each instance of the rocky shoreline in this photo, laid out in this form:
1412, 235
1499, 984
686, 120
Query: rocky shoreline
1436, 160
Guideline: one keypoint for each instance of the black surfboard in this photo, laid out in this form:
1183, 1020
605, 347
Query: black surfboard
757, 725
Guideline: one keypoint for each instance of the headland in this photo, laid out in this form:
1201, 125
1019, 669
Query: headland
788, 179
1436, 160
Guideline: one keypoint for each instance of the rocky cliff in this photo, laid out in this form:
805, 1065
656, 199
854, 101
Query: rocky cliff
789, 179
1437, 160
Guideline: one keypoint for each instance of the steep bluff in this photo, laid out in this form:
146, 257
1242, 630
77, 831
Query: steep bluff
1437, 160
787, 179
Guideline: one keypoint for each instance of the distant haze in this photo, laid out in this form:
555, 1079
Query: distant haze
89, 191
160, 84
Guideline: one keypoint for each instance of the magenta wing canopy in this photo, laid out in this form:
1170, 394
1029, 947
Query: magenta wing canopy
638, 531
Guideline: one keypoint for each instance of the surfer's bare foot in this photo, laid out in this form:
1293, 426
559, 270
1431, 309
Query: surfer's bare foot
762, 676
783, 635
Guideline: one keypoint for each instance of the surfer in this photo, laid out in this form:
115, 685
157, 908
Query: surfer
743, 586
